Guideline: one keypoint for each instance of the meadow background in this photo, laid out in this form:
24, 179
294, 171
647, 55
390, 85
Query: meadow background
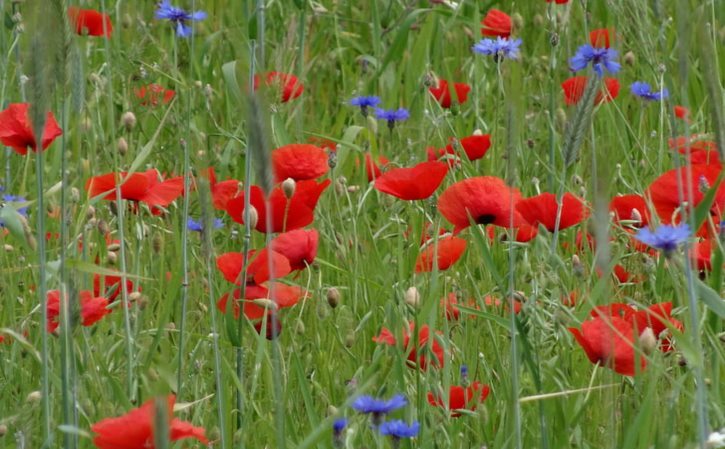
544, 391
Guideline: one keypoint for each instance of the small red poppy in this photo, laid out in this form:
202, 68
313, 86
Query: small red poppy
475, 146
542, 209
496, 23
443, 253
574, 90
601, 38
624, 207
90, 22
288, 84
135, 429
285, 296
144, 187
287, 214
153, 93
497, 303
16, 129
221, 192
93, 308
299, 162
480, 200
461, 398
682, 112
609, 341
450, 304
442, 93
418, 357
415, 183
111, 286
559, 2
231, 264
298, 246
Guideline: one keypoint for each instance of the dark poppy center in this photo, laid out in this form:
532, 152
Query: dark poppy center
485, 219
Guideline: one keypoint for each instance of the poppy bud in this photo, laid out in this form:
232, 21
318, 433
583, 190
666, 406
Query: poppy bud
300, 327
103, 227
126, 21
372, 124
648, 341
577, 180
340, 185
517, 20
636, 216
629, 58
353, 189
412, 297
333, 297
577, 265
560, 115
350, 340
90, 212
477, 132
3, 430
538, 20
111, 258
122, 146
253, 217
128, 120
113, 247
208, 91
34, 397
156, 243
8, 248
582, 191
288, 187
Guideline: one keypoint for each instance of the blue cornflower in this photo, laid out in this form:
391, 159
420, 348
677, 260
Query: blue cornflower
665, 237
198, 226
601, 58
464, 375
399, 429
378, 407
498, 48
337, 427
178, 16
392, 116
364, 103
644, 90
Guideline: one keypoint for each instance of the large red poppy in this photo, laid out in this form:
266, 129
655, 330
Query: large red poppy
657, 317
93, 308
475, 146
542, 209
496, 23
663, 192
609, 341
299, 162
601, 37
223, 191
574, 90
90, 22
231, 264
480, 200
415, 183
287, 214
16, 129
461, 398
298, 246
144, 187
442, 93
289, 85
135, 429
153, 93
444, 253
422, 360
624, 206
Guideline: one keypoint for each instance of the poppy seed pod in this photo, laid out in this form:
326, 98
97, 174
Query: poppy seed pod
288, 187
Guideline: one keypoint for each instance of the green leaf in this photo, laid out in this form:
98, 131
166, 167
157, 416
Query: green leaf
86, 267
702, 211
711, 298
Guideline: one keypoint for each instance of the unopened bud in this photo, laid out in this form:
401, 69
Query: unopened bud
253, 216
350, 340
560, 116
103, 227
300, 327
126, 21
114, 247
333, 297
128, 120
34, 397
629, 58
111, 258
648, 341
538, 20
412, 297
90, 212
122, 146
208, 91
577, 266
8, 248
3, 430
518, 21
577, 180
477, 132
288, 187
636, 216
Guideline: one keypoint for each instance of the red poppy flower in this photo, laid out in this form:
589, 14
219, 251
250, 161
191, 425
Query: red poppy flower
491, 301
287, 214
299, 162
559, 2
423, 361
574, 90
609, 341
705, 157
475, 146
524, 233
480, 200
144, 187
135, 429
111, 286
624, 206
461, 398
16, 130
52, 310
542, 209
284, 296
372, 169
664, 197
93, 308
682, 112
445, 253
90, 22
151, 94
415, 183
449, 303
289, 85
701, 255
601, 38
221, 192
298, 246
442, 93
496, 23
695, 142
657, 317
230, 264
